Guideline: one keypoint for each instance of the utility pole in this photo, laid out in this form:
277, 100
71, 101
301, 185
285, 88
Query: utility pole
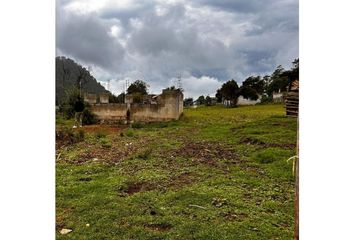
179, 82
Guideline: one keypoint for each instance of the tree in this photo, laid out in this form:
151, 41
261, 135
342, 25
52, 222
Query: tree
255, 83
208, 101
218, 96
279, 81
267, 80
188, 102
230, 91
117, 99
139, 87
201, 100
248, 92
121, 97
72, 103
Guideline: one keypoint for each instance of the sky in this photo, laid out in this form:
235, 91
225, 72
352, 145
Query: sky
206, 42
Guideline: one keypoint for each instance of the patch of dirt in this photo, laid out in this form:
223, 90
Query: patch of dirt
159, 227
181, 180
253, 141
59, 223
172, 183
99, 128
205, 152
118, 151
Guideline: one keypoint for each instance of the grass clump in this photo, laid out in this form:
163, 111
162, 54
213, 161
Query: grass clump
100, 135
105, 143
137, 125
129, 133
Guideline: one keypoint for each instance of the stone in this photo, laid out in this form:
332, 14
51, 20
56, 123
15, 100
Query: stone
65, 231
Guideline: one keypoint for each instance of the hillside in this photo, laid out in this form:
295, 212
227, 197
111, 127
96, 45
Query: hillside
67, 75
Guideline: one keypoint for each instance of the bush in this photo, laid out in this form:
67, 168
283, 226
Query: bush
265, 99
88, 117
105, 143
67, 136
80, 135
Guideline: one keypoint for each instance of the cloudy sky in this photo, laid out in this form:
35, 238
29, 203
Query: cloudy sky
207, 42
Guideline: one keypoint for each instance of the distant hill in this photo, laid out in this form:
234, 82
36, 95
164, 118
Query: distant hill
68, 74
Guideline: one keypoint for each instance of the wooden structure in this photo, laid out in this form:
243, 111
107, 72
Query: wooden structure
292, 100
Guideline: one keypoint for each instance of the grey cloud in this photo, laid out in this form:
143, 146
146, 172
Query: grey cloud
242, 6
208, 45
86, 38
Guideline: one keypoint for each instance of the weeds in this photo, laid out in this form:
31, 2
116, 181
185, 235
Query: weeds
129, 133
67, 136
100, 135
137, 125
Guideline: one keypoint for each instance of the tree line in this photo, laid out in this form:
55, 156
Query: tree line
253, 87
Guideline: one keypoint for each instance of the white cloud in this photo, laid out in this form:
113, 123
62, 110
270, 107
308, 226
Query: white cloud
194, 87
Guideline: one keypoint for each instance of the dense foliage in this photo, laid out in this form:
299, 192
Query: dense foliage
188, 102
201, 100
73, 103
230, 91
69, 74
138, 86
256, 86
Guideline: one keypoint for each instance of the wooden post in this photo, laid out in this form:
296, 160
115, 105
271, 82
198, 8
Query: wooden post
296, 235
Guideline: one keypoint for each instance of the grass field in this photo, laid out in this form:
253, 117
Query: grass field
218, 173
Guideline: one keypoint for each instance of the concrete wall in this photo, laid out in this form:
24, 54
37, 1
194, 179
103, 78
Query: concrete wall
145, 113
168, 106
104, 98
110, 112
90, 98
278, 97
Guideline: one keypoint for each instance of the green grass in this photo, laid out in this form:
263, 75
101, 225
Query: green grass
218, 173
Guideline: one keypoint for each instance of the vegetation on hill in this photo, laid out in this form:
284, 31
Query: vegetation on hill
69, 74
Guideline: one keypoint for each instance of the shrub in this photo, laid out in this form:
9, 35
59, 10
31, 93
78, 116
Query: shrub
88, 117
265, 99
67, 136
105, 143
80, 135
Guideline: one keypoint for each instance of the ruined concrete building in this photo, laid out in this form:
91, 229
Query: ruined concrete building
164, 107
